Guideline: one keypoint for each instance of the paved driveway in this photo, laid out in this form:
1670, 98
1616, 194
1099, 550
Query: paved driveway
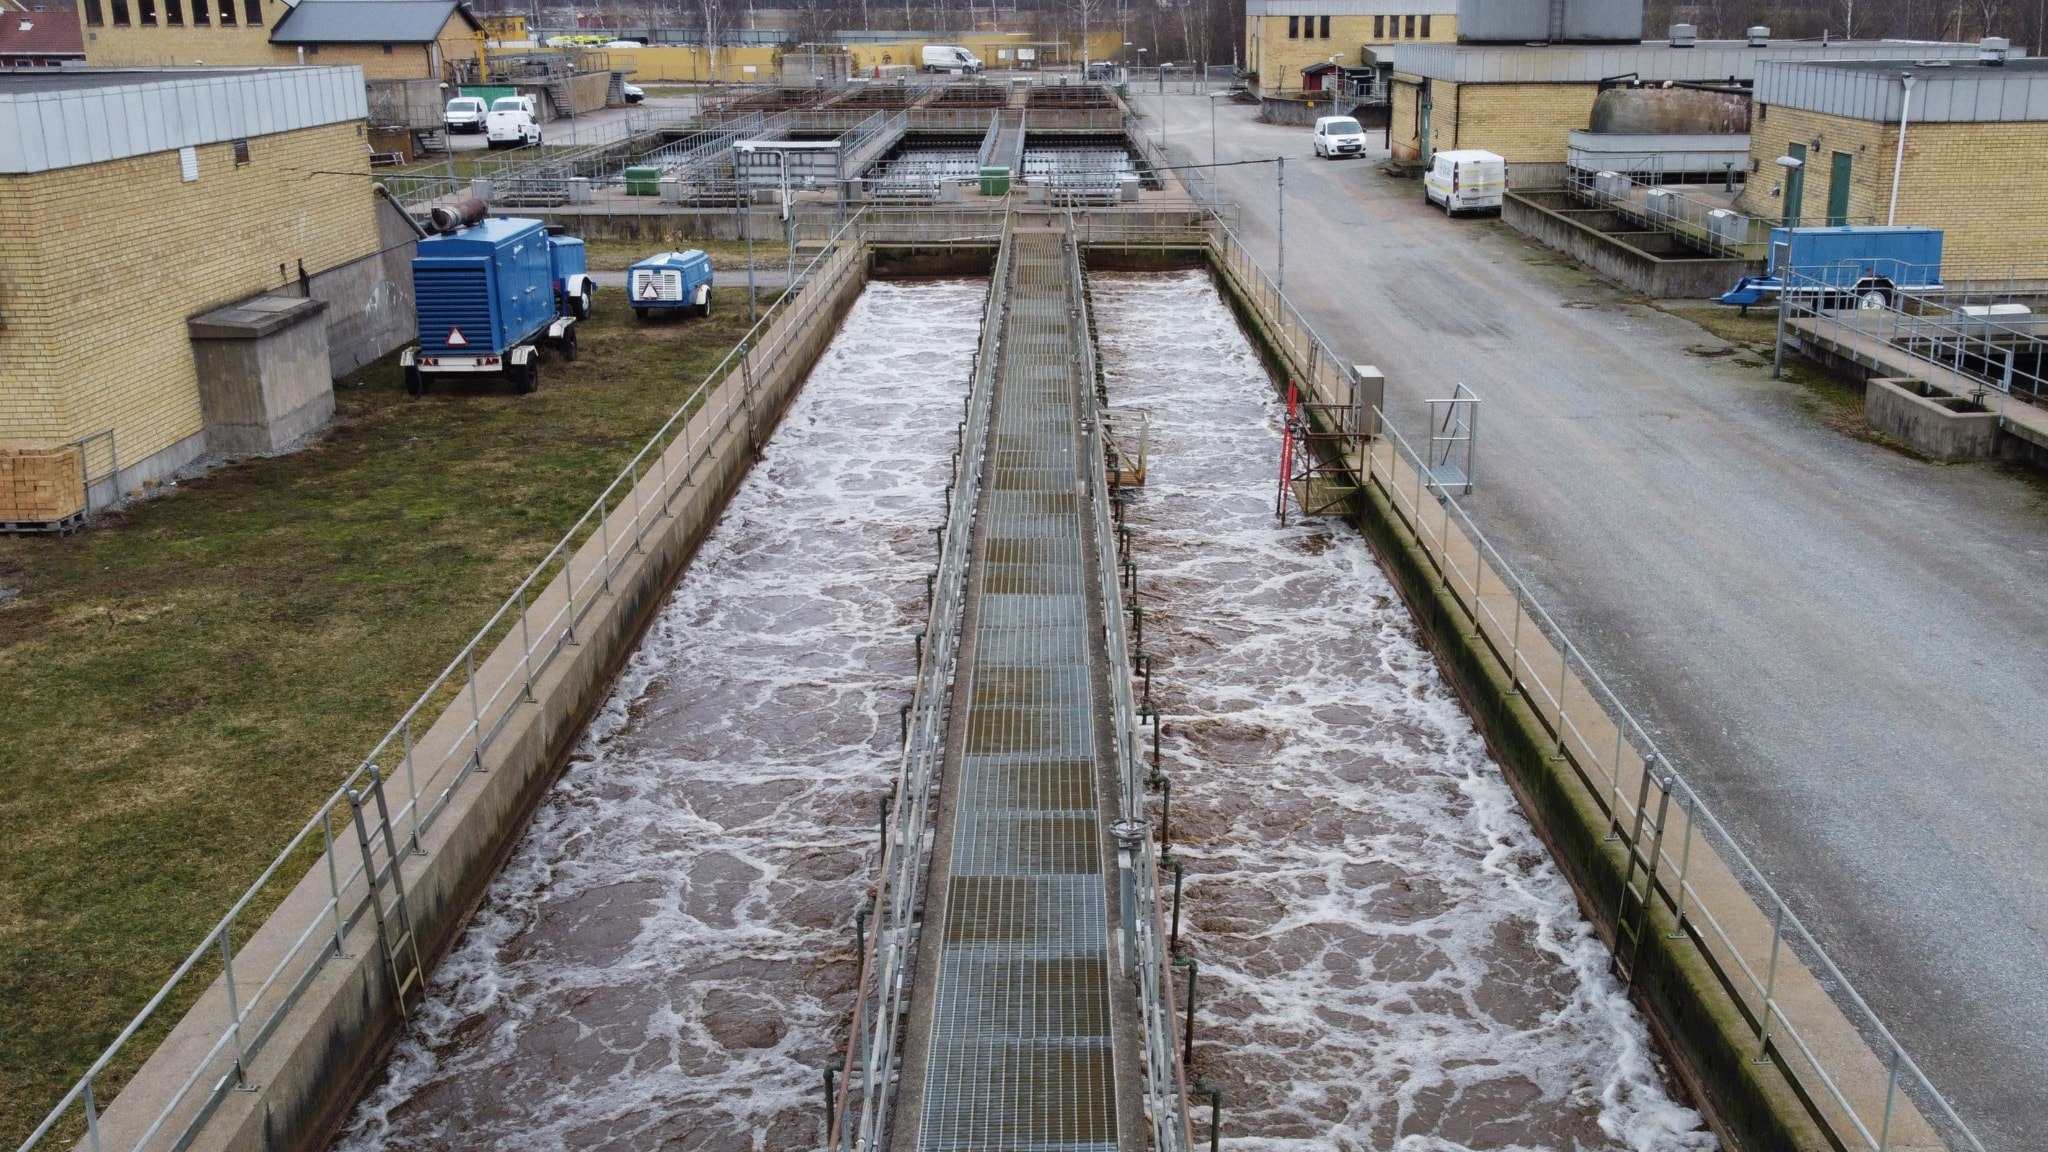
1846, 649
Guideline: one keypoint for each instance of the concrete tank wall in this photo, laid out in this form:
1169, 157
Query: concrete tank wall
1680, 111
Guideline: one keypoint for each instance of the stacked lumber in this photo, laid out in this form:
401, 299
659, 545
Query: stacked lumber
40, 485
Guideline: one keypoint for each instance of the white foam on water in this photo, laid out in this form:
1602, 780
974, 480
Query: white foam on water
1389, 959
666, 960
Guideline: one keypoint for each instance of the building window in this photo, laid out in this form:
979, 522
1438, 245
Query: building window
202, 13
174, 12
147, 11
1411, 27
387, 49
241, 153
93, 17
227, 13
252, 13
1379, 27
1425, 27
1294, 27
121, 13
1326, 27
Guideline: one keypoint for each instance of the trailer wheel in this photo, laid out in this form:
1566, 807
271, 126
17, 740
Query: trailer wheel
704, 309
585, 303
1874, 294
415, 383
567, 347
526, 377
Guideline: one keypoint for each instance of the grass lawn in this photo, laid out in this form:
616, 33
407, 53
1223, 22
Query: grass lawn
186, 681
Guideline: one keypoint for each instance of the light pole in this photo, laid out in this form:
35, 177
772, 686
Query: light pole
1213, 188
1280, 185
1162, 106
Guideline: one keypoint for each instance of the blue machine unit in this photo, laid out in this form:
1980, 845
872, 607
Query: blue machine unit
487, 295
1848, 266
671, 280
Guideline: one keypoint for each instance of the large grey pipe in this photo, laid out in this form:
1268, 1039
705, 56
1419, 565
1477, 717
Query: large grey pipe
460, 214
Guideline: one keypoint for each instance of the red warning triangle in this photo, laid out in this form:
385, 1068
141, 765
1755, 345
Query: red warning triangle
650, 289
456, 339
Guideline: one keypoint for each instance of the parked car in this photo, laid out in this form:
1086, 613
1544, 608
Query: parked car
464, 114
513, 122
950, 58
635, 94
1339, 136
1466, 180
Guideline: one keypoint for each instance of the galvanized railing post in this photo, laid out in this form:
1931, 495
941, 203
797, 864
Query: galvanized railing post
525, 643
333, 878
604, 529
1763, 1025
476, 718
1684, 865
92, 1118
1891, 1095
227, 968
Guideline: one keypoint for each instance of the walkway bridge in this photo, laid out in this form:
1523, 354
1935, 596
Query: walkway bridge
1025, 1002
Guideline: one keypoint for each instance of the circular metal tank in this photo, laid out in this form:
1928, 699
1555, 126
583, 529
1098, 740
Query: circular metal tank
1660, 111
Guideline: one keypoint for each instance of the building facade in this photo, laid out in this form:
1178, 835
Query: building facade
39, 38
387, 39
1283, 37
131, 202
1523, 101
1975, 157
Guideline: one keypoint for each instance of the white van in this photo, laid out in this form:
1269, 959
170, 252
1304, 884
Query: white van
512, 122
950, 58
464, 114
1467, 180
1339, 136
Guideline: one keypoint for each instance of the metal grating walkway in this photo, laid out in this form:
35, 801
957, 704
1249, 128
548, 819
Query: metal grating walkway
1022, 1040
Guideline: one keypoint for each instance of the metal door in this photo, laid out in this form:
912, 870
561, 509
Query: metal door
1838, 190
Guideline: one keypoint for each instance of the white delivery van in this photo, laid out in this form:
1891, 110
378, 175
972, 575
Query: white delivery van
1339, 136
464, 114
512, 122
1467, 180
950, 58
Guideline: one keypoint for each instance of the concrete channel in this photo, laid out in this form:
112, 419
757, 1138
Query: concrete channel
657, 962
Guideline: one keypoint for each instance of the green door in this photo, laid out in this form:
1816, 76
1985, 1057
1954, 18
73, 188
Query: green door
1838, 190
1795, 185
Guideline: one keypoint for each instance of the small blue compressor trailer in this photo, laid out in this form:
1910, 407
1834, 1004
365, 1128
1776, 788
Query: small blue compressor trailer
1846, 266
489, 292
671, 280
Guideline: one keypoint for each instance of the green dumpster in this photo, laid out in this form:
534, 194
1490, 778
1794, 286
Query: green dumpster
995, 180
643, 181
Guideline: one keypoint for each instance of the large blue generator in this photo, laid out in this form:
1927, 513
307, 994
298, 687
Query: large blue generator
489, 293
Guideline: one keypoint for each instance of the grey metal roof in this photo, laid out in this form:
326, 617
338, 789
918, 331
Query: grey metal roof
367, 21
1651, 60
74, 116
1950, 92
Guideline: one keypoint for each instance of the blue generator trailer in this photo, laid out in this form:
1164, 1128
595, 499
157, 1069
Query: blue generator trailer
671, 280
1849, 266
490, 293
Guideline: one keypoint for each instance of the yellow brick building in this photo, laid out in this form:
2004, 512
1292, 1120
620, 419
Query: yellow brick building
249, 181
1976, 155
1282, 37
387, 39
1523, 101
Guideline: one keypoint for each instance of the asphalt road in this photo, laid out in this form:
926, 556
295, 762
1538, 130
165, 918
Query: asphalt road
600, 127
1843, 647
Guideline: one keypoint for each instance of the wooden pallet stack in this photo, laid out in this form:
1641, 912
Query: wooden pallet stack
41, 489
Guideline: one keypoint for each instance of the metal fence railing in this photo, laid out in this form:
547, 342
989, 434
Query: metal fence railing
233, 996
1984, 332
1854, 1077
1700, 220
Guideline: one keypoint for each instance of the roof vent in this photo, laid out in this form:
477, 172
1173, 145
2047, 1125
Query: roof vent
1684, 35
1759, 35
1991, 50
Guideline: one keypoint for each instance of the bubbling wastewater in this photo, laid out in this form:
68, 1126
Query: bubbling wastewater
1388, 959
667, 958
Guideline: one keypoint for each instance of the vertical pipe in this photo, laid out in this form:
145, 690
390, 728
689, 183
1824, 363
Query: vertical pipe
1173, 943
1187, 1051
1899, 160
1165, 816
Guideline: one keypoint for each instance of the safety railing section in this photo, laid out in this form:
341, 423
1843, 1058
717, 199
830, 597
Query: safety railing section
861, 1107
1144, 956
1987, 333
1857, 1080
1707, 223
233, 996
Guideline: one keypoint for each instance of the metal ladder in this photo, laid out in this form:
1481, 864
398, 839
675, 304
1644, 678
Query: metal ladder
1632, 915
395, 931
